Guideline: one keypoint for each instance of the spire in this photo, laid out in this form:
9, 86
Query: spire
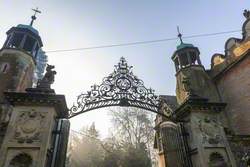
34, 16
179, 34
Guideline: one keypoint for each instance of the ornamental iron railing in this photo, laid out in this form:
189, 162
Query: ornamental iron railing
120, 88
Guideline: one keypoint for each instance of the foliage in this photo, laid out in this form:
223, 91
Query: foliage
133, 126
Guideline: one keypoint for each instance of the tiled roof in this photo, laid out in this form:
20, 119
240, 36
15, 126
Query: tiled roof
171, 101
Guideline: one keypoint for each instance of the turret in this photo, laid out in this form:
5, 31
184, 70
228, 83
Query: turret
24, 38
191, 75
18, 57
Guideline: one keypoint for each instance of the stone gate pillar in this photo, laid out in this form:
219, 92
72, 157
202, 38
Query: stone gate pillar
36, 135
203, 132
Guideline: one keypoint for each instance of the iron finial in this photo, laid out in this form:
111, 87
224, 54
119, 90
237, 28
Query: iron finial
34, 16
179, 34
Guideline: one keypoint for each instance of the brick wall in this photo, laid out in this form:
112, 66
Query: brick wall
234, 87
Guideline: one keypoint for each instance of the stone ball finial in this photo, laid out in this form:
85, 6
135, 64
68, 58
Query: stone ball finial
246, 13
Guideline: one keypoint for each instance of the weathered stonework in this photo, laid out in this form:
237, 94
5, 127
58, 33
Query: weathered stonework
29, 125
27, 133
200, 83
20, 71
210, 130
206, 135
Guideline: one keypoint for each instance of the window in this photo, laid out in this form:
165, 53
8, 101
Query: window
35, 50
7, 40
183, 57
17, 39
29, 43
177, 65
4, 68
193, 57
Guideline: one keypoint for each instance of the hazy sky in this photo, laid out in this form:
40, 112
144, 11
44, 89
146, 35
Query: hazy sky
85, 23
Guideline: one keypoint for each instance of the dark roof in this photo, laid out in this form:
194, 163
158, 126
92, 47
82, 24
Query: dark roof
30, 31
184, 45
171, 101
28, 27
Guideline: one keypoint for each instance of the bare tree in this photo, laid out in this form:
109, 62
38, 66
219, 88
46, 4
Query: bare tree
133, 125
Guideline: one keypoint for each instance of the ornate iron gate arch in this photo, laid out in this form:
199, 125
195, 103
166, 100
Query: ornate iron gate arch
120, 88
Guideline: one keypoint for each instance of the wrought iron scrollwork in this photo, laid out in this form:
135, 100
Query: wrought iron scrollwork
120, 88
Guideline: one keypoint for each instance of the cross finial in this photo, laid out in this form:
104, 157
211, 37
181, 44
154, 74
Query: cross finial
179, 34
34, 16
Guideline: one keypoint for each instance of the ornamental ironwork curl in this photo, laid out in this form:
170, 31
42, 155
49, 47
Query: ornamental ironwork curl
120, 88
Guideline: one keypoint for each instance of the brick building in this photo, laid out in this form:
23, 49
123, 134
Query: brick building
208, 120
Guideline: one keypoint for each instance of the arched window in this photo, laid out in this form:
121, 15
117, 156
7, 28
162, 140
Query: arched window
16, 40
4, 68
21, 160
217, 160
